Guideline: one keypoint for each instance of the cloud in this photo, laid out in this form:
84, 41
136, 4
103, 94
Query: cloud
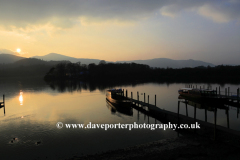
66, 14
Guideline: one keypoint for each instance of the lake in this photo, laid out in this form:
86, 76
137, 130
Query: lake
33, 108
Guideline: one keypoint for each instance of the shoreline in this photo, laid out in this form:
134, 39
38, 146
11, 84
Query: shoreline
190, 146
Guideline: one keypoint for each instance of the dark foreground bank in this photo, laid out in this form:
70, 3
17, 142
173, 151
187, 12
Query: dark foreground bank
185, 147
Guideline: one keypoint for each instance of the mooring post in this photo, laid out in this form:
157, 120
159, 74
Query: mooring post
216, 90
227, 117
131, 96
228, 91
126, 93
219, 90
123, 93
137, 97
4, 103
144, 97
148, 100
155, 100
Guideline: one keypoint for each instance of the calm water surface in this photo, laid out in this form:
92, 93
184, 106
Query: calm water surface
34, 108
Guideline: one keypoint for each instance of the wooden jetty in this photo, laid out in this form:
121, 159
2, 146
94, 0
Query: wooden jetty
177, 118
2, 104
226, 94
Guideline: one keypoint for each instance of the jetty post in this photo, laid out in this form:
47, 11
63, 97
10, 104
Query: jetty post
216, 91
123, 93
138, 98
144, 97
227, 112
148, 100
219, 90
4, 103
155, 100
186, 109
131, 96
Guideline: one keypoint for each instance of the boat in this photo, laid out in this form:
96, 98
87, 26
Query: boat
118, 110
115, 96
201, 94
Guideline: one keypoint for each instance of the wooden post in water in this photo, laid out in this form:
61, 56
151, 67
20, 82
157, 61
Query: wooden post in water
144, 97
131, 96
4, 103
148, 100
155, 100
228, 91
138, 98
216, 90
219, 90
123, 93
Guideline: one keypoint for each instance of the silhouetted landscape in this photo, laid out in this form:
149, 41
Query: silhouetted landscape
65, 69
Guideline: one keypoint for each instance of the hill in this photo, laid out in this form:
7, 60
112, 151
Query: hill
59, 57
157, 62
169, 63
8, 58
35, 61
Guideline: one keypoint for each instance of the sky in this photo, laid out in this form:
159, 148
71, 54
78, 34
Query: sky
117, 30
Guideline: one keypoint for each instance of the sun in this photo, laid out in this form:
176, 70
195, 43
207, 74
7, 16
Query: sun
18, 50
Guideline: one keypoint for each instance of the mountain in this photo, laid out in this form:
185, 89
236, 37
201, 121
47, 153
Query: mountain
8, 58
164, 63
157, 62
35, 61
59, 57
